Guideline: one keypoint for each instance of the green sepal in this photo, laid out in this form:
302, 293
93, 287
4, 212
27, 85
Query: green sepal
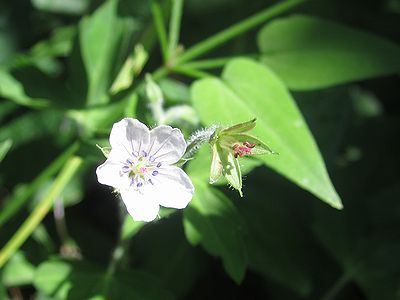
239, 128
231, 169
216, 165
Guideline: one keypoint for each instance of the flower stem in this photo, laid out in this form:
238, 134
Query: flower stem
174, 26
160, 27
41, 210
214, 63
237, 29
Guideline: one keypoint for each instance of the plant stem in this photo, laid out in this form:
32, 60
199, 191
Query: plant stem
214, 63
174, 26
160, 28
191, 72
41, 210
337, 287
118, 253
237, 29
20, 198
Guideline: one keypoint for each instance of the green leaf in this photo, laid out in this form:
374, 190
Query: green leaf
18, 271
13, 90
310, 53
4, 148
100, 36
31, 126
249, 90
72, 7
212, 220
100, 118
174, 91
63, 279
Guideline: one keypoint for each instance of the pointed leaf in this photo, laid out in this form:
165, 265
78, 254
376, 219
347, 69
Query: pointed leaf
249, 89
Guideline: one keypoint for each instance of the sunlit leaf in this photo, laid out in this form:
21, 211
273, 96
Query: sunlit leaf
18, 271
249, 90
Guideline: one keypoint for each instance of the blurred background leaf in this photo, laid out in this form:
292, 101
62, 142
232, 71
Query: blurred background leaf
310, 53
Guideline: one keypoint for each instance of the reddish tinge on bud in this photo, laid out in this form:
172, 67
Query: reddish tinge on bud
242, 149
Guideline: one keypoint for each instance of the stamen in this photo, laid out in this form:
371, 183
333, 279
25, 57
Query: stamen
139, 184
159, 165
154, 173
144, 153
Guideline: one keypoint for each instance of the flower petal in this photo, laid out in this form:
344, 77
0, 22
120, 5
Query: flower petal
174, 188
109, 173
131, 135
167, 144
141, 205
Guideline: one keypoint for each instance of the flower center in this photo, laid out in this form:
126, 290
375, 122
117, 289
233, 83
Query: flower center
242, 149
140, 169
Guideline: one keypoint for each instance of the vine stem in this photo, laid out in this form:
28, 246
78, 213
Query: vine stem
237, 29
41, 210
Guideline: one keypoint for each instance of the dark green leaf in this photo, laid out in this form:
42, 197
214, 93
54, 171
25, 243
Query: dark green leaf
64, 279
311, 53
212, 220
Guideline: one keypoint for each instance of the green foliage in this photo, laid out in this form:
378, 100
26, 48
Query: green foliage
310, 53
100, 44
63, 279
70, 69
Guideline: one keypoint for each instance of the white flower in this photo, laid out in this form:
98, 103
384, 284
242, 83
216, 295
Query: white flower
140, 166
